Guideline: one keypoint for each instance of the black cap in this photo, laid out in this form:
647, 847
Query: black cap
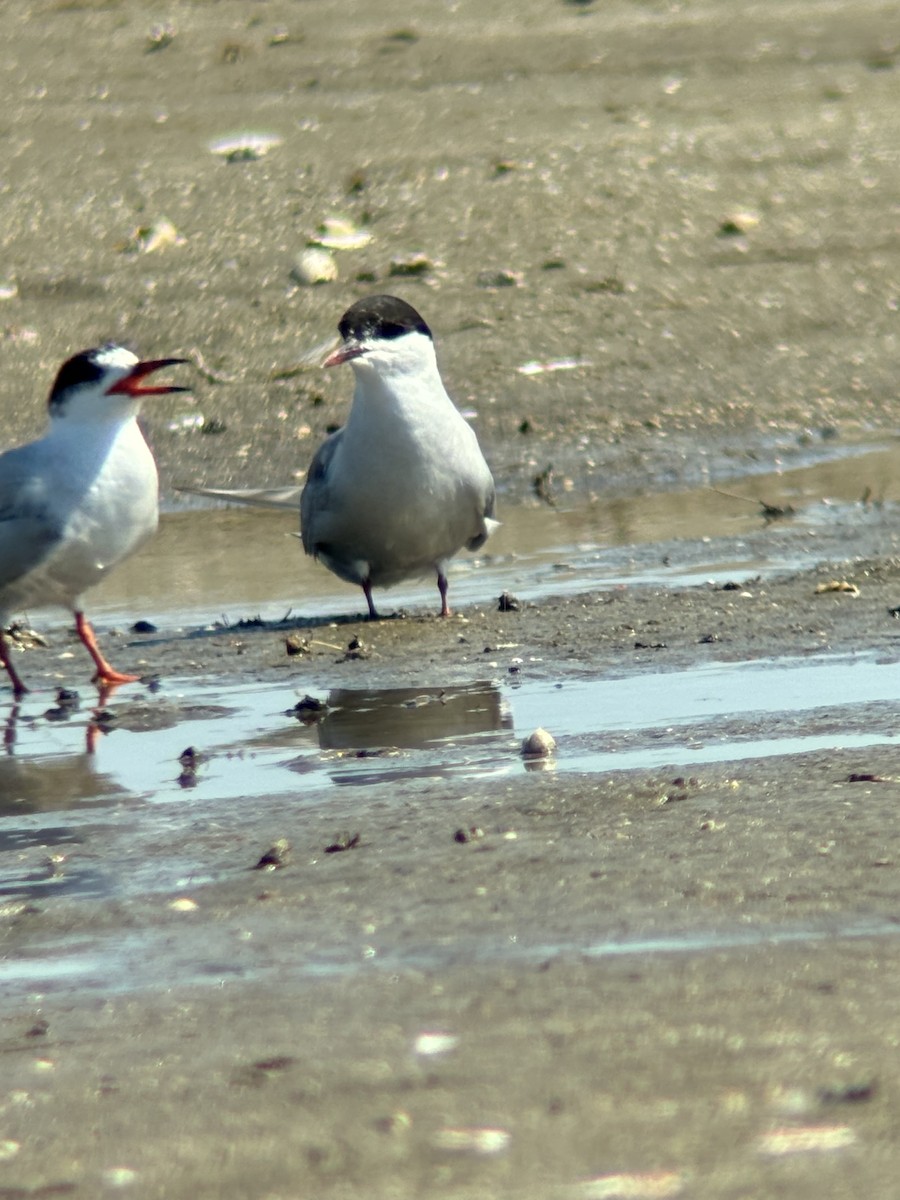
76, 371
381, 317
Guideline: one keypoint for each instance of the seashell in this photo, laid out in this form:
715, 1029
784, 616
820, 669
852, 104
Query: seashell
158, 235
314, 266
337, 233
244, 147
539, 744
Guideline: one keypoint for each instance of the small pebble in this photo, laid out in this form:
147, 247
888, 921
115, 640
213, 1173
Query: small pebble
411, 264
309, 709
275, 857
470, 834
344, 841
295, 644
499, 279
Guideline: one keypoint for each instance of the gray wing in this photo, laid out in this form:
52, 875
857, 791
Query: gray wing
315, 491
29, 529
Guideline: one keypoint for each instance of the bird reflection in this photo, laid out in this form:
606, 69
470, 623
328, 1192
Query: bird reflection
409, 718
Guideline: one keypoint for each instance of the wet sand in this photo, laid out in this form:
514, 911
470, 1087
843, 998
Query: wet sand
680, 980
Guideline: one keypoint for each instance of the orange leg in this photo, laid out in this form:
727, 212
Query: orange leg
105, 673
19, 688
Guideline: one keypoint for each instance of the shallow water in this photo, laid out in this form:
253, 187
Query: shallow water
236, 561
110, 964
132, 792
254, 742
254, 745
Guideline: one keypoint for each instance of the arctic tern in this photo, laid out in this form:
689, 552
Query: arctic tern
403, 485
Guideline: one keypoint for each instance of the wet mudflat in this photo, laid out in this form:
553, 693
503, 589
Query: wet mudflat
664, 963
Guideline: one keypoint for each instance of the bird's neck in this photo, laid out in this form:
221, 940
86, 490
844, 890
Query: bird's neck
91, 441
398, 391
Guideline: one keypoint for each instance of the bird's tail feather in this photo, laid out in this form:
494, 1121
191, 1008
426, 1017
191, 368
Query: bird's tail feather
284, 497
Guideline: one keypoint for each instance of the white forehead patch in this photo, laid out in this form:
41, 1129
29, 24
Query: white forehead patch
115, 356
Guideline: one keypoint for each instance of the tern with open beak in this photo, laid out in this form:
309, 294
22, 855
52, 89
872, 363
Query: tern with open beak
77, 501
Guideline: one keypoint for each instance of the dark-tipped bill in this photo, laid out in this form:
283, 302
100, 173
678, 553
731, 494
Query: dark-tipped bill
130, 385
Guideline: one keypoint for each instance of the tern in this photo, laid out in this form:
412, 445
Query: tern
403, 485
80, 499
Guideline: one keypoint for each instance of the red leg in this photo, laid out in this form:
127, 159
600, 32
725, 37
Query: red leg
105, 673
442, 588
19, 688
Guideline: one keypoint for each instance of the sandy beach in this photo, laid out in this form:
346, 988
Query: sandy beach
657, 246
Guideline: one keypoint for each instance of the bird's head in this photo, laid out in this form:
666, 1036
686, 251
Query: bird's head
106, 383
385, 335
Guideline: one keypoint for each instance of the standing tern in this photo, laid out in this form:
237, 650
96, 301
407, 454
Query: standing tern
81, 498
403, 485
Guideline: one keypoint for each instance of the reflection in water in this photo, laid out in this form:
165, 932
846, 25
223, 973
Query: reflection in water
410, 718
36, 785
370, 736
252, 745
252, 748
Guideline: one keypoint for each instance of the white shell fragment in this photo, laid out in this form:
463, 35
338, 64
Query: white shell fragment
120, 1177
539, 744
338, 233
183, 904
739, 222
156, 236
806, 1139
186, 423
837, 585
639, 1185
472, 1141
533, 367
314, 266
430, 1044
244, 147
